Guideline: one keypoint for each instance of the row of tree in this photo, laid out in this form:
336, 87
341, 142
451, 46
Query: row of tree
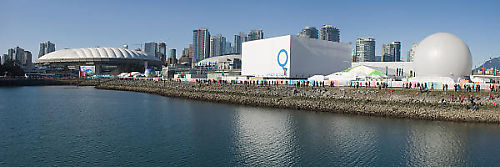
9, 68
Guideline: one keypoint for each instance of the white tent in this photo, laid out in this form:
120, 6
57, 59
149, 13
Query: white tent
358, 72
340, 76
354, 73
317, 78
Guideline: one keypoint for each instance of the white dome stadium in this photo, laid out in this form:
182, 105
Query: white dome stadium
443, 55
95, 54
105, 60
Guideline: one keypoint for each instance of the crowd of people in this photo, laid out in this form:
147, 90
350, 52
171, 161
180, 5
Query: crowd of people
298, 83
354, 84
467, 88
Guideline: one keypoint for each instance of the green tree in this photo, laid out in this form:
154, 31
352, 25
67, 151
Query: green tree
11, 68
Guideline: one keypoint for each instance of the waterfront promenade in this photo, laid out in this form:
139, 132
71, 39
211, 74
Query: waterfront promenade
389, 102
49, 82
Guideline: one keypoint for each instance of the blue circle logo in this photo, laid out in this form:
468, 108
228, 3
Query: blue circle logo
282, 65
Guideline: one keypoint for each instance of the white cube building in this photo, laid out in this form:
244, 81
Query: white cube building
293, 57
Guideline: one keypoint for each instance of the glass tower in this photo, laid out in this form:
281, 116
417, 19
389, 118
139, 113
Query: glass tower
309, 32
365, 49
329, 33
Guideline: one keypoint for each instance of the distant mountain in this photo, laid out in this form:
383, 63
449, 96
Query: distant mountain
492, 63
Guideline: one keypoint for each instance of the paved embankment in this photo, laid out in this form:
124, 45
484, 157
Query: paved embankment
399, 103
49, 82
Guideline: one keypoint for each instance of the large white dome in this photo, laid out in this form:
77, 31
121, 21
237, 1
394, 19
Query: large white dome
95, 54
442, 55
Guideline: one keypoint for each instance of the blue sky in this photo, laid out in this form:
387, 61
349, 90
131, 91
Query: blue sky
112, 23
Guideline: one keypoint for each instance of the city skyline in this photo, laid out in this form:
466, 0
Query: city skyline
72, 24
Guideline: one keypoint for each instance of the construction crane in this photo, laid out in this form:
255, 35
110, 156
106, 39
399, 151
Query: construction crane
138, 44
142, 44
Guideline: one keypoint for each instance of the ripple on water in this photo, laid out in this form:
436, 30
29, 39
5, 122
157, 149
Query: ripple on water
111, 128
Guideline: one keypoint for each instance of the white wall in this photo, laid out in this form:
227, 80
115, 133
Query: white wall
312, 57
259, 57
306, 57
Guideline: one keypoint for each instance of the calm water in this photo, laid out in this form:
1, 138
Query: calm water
68, 126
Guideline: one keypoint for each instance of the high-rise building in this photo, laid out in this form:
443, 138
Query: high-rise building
217, 45
244, 37
190, 51
162, 48
18, 56
238, 40
391, 52
309, 32
386, 53
201, 44
185, 52
172, 57
185, 59
28, 59
5, 58
228, 48
150, 48
212, 47
10, 54
46, 47
255, 35
162, 51
365, 50
411, 52
220, 45
329, 33
237, 44
172, 53
397, 51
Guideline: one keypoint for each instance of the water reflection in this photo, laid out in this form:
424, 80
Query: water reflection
336, 140
264, 137
280, 138
430, 144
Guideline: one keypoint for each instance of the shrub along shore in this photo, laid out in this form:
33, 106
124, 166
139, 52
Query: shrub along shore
396, 103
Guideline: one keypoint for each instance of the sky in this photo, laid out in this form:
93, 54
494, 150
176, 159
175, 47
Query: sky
112, 23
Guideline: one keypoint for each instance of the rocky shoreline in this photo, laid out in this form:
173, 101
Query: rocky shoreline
398, 103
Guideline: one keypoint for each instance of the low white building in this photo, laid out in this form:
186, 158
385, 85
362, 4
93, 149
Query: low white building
293, 57
221, 62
